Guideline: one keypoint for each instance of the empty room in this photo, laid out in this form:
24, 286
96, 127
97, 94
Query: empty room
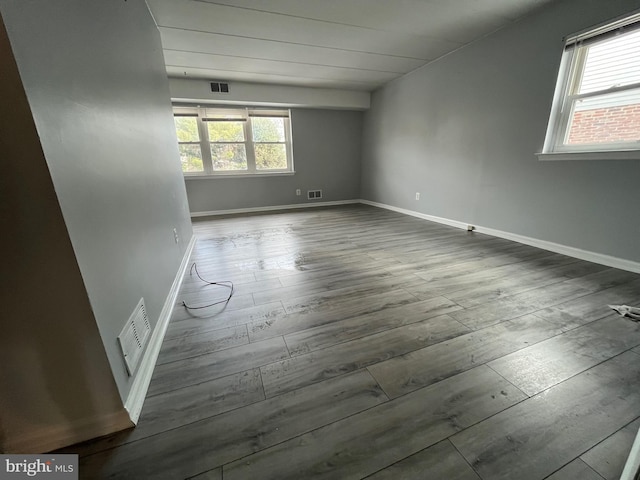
338, 239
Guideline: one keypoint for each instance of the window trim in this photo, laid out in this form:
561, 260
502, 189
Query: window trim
573, 59
208, 113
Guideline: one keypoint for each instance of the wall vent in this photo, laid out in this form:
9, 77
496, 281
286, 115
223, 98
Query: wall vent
219, 87
134, 336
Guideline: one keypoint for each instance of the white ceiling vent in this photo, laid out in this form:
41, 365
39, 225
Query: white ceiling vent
134, 336
219, 87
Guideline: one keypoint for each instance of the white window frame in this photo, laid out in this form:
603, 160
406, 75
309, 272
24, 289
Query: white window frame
565, 96
243, 114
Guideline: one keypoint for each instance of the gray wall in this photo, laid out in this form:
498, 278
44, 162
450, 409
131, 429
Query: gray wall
463, 132
198, 90
54, 373
326, 156
94, 76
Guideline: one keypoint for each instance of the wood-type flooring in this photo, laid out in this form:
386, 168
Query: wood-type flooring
363, 343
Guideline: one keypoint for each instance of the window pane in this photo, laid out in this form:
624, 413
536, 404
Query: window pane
229, 156
612, 63
221, 131
187, 129
191, 158
611, 118
271, 156
267, 129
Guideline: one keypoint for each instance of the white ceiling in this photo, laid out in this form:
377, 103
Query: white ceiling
345, 44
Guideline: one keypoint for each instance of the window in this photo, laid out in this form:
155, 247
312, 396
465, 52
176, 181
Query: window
596, 107
189, 143
233, 141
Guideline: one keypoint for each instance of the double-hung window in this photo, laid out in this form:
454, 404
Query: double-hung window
233, 141
596, 108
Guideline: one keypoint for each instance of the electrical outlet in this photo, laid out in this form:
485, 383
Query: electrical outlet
175, 235
298, 192
417, 195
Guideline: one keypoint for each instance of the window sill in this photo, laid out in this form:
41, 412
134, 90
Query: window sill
610, 155
237, 175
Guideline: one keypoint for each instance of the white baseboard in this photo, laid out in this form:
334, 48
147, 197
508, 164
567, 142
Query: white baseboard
424, 216
47, 438
140, 385
632, 465
587, 255
574, 252
272, 208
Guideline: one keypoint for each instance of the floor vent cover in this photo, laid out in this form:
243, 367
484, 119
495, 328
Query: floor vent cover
134, 337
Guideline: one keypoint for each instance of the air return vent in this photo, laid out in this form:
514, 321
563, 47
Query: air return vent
313, 194
219, 87
134, 337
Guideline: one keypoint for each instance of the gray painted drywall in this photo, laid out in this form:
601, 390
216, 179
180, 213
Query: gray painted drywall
196, 90
326, 156
94, 76
463, 131
56, 386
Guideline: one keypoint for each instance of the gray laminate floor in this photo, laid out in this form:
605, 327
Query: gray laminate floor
363, 343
